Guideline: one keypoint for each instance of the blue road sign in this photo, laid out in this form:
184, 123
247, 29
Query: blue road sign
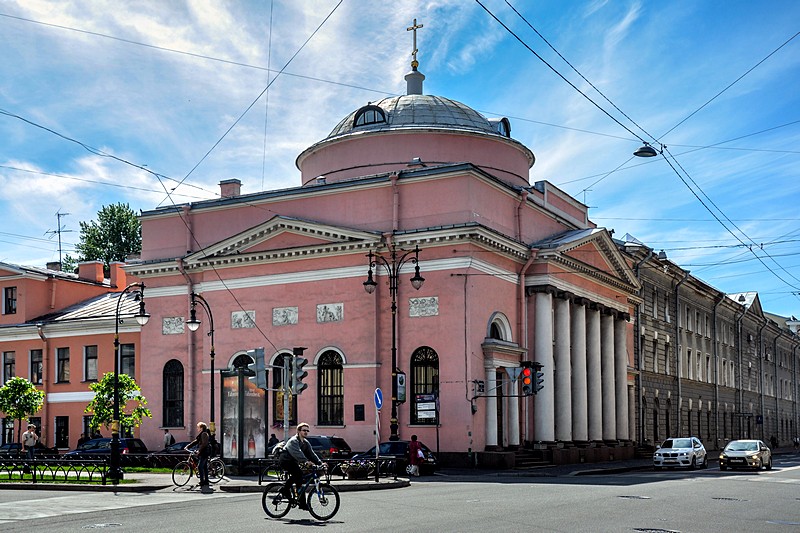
378, 399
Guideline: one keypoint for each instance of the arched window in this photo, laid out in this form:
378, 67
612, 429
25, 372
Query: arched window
330, 409
369, 114
494, 332
424, 382
277, 395
172, 381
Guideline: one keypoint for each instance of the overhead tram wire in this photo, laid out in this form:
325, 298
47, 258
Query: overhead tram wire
266, 97
249, 107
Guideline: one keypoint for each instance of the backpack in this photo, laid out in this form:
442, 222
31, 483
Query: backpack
171, 440
277, 449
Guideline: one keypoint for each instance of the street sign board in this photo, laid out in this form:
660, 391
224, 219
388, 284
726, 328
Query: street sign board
513, 372
378, 399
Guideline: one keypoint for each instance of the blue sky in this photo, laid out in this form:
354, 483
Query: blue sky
178, 88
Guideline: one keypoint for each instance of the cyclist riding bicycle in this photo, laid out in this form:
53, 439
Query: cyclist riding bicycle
296, 453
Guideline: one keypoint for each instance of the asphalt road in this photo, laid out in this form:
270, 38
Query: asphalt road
644, 501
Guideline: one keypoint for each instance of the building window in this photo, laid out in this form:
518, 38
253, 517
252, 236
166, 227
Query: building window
667, 350
8, 430
9, 365
655, 356
62, 432
370, 114
331, 390
127, 360
62, 365
86, 427
90, 363
708, 369
36, 367
173, 394
10, 301
277, 396
424, 386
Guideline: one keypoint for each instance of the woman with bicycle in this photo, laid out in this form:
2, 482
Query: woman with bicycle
203, 452
297, 452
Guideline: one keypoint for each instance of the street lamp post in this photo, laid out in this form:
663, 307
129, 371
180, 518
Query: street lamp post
141, 316
393, 267
193, 324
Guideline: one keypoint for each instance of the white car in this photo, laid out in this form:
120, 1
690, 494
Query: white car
683, 451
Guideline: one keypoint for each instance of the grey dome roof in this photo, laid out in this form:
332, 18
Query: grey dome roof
418, 111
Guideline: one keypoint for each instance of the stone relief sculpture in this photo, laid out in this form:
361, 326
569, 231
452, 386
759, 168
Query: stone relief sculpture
423, 306
243, 319
284, 316
172, 325
330, 312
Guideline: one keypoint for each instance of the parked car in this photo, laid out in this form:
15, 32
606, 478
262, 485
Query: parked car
330, 447
745, 454
177, 448
103, 446
398, 449
685, 451
14, 449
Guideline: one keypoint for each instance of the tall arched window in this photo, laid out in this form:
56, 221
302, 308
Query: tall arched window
172, 381
330, 407
277, 396
425, 382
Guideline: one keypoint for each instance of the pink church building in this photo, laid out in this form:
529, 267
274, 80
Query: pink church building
513, 272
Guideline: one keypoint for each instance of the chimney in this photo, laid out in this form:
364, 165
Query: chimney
54, 265
119, 278
230, 188
92, 271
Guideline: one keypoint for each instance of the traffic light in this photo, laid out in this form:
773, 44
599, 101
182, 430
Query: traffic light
538, 378
298, 374
259, 369
526, 377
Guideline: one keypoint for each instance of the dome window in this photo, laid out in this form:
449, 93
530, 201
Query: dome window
369, 114
501, 126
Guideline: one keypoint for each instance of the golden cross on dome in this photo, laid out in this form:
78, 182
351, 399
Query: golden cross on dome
414, 28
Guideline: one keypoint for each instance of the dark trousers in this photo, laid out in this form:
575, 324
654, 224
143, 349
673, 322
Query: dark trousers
295, 476
202, 468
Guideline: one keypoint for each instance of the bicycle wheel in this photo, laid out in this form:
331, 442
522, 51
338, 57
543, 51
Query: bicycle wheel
216, 470
181, 473
323, 504
275, 504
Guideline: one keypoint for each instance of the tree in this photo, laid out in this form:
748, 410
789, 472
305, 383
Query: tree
19, 398
102, 405
116, 235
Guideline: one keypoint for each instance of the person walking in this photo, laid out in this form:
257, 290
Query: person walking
415, 455
296, 453
29, 440
203, 451
169, 440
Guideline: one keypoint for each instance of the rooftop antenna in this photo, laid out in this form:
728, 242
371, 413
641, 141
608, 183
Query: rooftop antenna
58, 232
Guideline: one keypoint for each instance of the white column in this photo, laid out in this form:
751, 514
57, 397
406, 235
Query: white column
621, 377
580, 409
491, 408
609, 392
544, 404
593, 383
563, 372
512, 431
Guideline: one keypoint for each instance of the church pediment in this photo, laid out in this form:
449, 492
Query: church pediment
279, 236
590, 252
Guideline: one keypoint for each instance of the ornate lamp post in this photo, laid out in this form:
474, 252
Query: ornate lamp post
141, 316
393, 266
193, 324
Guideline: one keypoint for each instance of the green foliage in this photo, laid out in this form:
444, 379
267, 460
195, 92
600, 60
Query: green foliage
116, 235
102, 405
19, 399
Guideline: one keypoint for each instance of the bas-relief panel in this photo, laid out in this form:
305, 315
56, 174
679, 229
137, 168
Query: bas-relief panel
284, 316
423, 306
172, 325
243, 319
330, 312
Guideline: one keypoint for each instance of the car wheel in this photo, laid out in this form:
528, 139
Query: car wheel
723, 467
693, 465
760, 464
769, 464
705, 462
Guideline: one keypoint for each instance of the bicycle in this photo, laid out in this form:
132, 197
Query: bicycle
184, 470
322, 499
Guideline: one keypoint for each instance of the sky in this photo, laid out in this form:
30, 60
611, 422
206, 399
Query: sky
153, 103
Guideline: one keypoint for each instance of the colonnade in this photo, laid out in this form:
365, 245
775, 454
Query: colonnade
584, 352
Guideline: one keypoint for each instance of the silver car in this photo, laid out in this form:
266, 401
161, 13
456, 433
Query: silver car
684, 451
745, 454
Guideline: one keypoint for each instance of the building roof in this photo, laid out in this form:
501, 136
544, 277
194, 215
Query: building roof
101, 307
